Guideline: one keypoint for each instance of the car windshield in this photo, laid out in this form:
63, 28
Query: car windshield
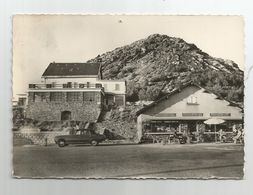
82, 132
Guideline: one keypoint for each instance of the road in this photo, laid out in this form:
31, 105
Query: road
138, 161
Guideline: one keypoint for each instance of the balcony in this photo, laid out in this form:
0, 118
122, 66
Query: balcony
67, 86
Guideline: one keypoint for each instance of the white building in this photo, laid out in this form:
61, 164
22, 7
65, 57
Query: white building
73, 91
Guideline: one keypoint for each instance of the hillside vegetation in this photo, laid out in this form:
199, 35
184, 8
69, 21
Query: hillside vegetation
159, 64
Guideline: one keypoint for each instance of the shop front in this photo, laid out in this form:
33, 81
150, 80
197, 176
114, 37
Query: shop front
185, 114
194, 131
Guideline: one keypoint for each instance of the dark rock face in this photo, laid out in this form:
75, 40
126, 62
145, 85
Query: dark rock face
159, 64
120, 124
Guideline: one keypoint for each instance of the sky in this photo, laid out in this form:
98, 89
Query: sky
41, 39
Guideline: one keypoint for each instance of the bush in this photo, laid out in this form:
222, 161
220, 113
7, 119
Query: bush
150, 94
132, 92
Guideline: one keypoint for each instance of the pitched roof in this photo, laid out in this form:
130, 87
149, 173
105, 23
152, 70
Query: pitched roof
178, 90
71, 69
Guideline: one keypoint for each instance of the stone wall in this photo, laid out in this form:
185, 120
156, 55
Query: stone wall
51, 111
41, 138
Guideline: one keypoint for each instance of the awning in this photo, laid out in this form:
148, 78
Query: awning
214, 121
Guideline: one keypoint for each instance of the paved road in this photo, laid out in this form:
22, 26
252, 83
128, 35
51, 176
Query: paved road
203, 160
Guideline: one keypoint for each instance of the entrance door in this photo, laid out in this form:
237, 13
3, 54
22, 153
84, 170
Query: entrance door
65, 115
109, 100
192, 127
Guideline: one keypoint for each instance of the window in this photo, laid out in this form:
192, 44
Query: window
97, 97
73, 96
21, 101
166, 115
192, 100
39, 97
192, 114
119, 100
220, 114
117, 87
56, 96
91, 97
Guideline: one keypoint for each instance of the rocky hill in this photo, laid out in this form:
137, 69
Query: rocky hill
159, 64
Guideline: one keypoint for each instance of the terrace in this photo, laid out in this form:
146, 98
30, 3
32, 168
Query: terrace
65, 86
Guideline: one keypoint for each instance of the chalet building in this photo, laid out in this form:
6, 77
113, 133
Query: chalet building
73, 91
185, 110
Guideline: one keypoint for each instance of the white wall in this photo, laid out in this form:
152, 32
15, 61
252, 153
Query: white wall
207, 103
110, 86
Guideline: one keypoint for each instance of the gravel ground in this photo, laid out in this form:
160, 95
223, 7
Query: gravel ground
130, 161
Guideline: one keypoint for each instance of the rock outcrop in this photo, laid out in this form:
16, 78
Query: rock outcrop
159, 64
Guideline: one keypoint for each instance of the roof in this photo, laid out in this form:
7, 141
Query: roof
178, 90
71, 69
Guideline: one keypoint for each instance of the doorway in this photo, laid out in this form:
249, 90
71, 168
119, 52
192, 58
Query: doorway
192, 127
65, 115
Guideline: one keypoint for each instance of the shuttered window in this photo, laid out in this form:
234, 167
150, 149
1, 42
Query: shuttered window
192, 100
73, 96
56, 96
91, 96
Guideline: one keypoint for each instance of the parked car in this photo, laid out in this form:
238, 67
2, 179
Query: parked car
80, 137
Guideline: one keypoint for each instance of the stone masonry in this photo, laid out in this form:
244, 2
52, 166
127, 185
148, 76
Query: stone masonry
51, 110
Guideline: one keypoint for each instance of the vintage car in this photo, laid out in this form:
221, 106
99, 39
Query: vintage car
80, 137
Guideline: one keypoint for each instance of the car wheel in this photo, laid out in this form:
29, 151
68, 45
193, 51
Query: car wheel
61, 143
94, 143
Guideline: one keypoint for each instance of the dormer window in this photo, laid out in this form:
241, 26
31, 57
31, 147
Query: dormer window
192, 100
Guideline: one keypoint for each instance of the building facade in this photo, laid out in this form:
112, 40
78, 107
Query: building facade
186, 109
73, 91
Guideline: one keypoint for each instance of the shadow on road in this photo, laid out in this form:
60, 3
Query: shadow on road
104, 144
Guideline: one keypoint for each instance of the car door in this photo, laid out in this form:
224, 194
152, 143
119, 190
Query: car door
88, 137
76, 139
84, 137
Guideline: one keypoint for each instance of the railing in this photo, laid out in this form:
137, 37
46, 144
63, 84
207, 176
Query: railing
65, 85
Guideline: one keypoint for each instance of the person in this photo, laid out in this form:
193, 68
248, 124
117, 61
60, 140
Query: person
197, 136
237, 136
167, 129
242, 137
234, 129
69, 129
220, 135
77, 127
86, 125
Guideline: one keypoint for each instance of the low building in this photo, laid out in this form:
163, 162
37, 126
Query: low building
73, 91
185, 110
21, 102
